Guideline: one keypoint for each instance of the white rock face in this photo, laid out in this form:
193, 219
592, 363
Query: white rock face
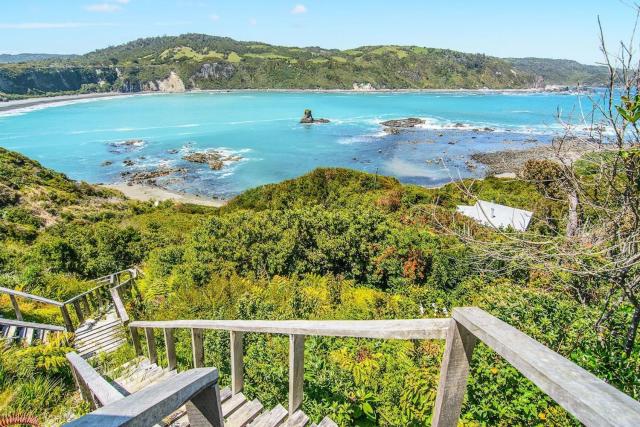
363, 87
173, 83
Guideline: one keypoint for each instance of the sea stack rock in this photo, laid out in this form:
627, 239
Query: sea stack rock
308, 118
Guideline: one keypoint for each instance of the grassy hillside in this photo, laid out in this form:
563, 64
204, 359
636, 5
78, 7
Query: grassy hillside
206, 62
562, 71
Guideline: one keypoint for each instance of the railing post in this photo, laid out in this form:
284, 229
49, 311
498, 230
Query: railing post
197, 348
85, 303
16, 308
151, 345
66, 318
97, 295
78, 309
296, 372
205, 410
454, 372
237, 362
170, 344
135, 339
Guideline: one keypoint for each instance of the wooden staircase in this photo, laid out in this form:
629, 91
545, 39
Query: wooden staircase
237, 410
100, 336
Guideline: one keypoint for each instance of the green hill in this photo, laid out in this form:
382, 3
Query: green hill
199, 61
209, 62
562, 71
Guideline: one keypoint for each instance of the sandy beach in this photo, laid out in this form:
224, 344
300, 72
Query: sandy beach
148, 193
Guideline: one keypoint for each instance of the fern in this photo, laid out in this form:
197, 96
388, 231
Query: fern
18, 419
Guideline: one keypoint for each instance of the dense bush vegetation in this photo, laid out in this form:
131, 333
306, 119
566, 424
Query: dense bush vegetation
334, 244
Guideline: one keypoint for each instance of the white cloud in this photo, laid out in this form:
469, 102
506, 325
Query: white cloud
253, 22
50, 25
299, 9
214, 17
103, 7
122, 1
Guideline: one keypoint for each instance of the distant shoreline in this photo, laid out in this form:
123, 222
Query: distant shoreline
53, 100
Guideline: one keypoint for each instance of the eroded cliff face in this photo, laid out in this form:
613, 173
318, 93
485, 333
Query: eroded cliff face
173, 84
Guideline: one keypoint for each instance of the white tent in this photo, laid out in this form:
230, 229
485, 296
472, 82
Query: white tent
497, 216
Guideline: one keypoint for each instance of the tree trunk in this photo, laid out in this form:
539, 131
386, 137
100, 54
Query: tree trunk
633, 329
573, 220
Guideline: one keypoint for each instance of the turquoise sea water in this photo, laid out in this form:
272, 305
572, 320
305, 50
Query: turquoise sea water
77, 138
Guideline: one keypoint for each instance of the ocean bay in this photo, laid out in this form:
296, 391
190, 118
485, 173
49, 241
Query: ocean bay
260, 140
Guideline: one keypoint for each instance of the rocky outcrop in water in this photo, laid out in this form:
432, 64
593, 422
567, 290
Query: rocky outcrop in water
215, 159
307, 118
403, 123
149, 177
127, 146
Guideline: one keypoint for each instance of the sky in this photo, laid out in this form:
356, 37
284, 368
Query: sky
506, 28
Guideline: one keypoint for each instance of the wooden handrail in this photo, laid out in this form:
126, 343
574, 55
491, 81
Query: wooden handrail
591, 400
197, 388
588, 398
93, 387
30, 296
383, 329
31, 325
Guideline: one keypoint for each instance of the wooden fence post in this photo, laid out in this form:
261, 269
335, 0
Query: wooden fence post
67, 319
135, 339
170, 344
197, 348
78, 309
237, 362
454, 371
296, 372
151, 345
16, 308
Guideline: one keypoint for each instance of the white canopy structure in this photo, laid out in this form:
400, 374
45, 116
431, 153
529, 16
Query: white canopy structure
497, 216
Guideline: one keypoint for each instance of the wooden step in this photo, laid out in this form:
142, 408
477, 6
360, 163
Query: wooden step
225, 394
327, 422
98, 332
298, 419
137, 375
163, 375
100, 342
233, 404
105, 349
85, 330
245, 414
272, 418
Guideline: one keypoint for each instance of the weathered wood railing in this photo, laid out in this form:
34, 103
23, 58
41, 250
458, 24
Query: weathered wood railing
28, 331
96, 299
589, 399
197, 389
85, 304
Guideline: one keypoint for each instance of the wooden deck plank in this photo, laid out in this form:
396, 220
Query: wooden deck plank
272, 418
232, 404
327, 422
245, 414
299, 419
